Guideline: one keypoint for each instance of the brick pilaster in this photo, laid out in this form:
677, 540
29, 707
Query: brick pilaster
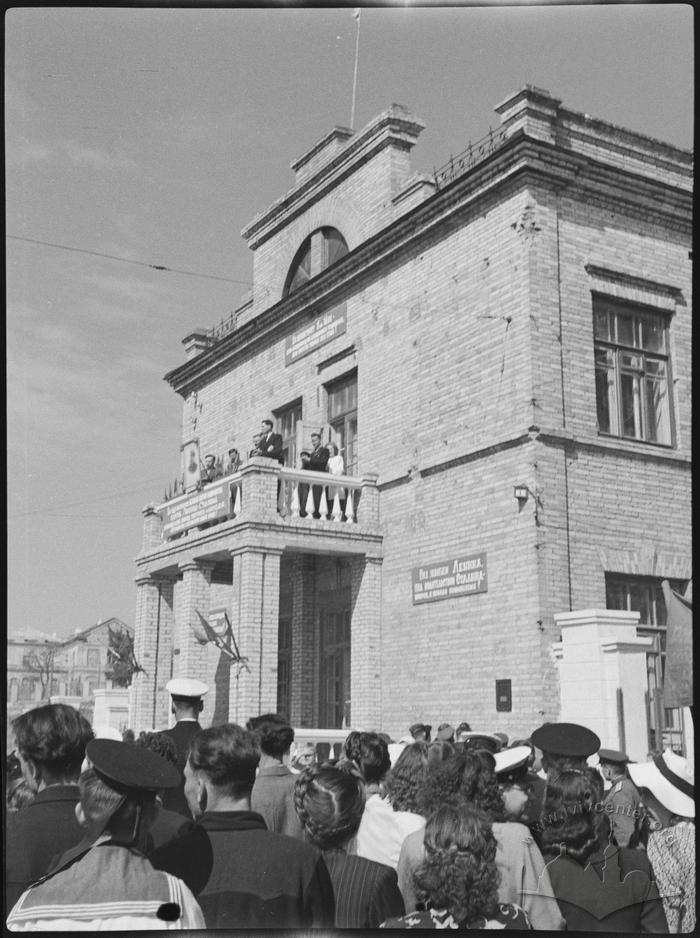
255, 620
149, 704
193, 595
152, 529
365, 669
303, 645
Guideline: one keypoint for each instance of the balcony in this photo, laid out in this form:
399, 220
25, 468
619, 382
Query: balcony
294, 508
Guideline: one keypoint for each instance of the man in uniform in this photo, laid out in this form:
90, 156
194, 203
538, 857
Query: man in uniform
622, 799
187, 704
105, 882
565, 745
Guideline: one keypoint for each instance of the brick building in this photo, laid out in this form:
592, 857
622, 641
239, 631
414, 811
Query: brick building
43, 668
501, 351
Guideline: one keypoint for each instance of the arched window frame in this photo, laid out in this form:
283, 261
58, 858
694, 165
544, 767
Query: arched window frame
322, 248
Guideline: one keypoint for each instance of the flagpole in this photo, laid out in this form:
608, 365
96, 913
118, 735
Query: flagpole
357, 15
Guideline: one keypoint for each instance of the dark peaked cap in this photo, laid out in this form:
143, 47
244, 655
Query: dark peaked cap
614, 756
131, 770
566, 739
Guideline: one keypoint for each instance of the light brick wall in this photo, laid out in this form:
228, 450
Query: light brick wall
149, 703
256, 577
474, 354
303, 640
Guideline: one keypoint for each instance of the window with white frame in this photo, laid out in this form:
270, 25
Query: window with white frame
632, 371
342, 416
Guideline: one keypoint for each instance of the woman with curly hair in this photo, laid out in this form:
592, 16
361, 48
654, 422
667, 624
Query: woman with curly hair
329, 801
598, 885
405, 777
468, 779
457, 882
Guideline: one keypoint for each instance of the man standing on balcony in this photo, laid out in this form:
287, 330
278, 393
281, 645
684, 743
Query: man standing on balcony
318, 462
271, 443
187, 704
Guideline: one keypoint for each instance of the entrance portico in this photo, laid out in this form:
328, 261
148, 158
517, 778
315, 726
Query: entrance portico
325, 637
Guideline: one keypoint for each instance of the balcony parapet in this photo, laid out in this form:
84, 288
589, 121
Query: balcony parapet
265, 491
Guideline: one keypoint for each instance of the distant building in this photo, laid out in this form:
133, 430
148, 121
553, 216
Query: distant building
501, 351
41, 667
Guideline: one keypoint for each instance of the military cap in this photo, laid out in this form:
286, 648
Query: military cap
445, 731
512, 762
613, 755
475, 740
131, 770
566, 739
185, 688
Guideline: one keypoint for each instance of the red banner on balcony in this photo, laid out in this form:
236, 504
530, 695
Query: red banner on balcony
212, 503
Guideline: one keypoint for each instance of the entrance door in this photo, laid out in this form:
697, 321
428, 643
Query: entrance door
335, 665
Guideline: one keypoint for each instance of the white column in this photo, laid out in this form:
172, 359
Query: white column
600, 653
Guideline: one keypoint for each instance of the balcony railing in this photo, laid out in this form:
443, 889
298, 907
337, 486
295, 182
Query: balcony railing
475, 153
298, 496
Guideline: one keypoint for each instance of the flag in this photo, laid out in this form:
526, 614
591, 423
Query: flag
678, 678
224, 646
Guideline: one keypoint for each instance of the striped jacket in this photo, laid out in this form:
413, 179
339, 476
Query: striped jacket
109, 888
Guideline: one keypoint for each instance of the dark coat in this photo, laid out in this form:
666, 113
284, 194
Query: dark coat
366, 893
318, 459
181, 734
271, 446
244, 876
36, 834
614, 892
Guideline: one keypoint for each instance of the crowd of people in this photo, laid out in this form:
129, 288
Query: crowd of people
267, 443
235, 827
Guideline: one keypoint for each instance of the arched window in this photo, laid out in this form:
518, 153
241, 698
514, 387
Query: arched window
322, 248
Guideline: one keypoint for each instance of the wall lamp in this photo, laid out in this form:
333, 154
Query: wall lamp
522, 493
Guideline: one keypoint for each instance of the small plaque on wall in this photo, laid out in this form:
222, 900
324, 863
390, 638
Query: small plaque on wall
504, 696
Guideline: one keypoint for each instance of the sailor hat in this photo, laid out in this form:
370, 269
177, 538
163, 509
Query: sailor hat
512, 761
187, 688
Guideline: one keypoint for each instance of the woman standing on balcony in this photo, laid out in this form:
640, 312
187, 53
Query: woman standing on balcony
336, 467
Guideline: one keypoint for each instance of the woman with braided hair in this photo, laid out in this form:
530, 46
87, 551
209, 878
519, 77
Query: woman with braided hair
329, 801
457, 881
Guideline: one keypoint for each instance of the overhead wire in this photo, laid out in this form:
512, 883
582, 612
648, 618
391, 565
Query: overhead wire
128, 260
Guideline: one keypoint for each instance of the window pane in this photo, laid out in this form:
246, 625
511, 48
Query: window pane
626, 332
657, 409
601, 325
335, 246
630, 387
653, 334
605, 390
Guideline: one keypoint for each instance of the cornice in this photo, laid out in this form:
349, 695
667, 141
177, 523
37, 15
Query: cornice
518, 158
394, 127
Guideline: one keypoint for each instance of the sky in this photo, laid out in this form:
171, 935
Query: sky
154, 136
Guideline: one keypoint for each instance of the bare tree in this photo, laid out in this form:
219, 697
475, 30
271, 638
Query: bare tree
41, 662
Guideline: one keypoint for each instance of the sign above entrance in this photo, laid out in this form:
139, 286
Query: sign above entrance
317, 333
457, 576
